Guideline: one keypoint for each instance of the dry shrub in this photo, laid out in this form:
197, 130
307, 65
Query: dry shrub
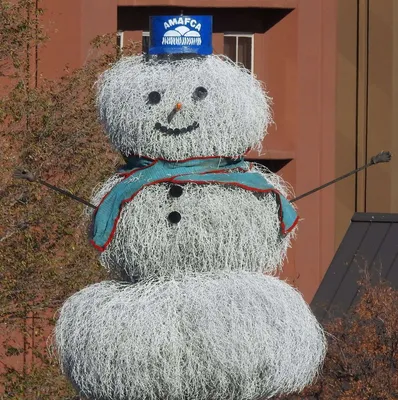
362, 360
50, 129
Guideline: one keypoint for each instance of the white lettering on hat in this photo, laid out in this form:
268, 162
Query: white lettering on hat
183, 21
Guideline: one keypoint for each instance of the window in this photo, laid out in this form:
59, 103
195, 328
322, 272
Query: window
239, 47
145, 42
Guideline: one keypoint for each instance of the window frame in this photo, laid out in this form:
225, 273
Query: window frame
145, 34
120, 38
229, 34
243, 34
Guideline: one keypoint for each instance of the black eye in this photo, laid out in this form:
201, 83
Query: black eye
200, 93
154, 98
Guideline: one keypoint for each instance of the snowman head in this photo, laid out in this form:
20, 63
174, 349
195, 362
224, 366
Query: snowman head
181, 106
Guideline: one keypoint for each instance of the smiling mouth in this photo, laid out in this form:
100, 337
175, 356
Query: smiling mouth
176, 131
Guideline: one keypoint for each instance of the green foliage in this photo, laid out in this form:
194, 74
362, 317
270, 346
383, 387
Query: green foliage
51, 129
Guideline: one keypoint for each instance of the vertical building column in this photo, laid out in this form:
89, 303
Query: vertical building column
346, 114
394, 132
367, 100
362, 102
315, 159
382, 87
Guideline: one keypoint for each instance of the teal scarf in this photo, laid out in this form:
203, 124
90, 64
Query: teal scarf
220, 171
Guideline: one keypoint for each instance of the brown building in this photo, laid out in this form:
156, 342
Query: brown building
331, 67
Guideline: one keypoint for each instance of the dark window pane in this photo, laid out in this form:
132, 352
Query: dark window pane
230, 47
145, 44
119, 40
245, 51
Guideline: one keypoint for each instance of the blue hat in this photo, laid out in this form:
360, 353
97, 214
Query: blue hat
181, 35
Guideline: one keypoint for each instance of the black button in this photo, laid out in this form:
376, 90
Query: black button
174, 217
200, 93
176, 191
154, 98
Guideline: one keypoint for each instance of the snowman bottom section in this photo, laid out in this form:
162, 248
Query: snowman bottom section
205, 337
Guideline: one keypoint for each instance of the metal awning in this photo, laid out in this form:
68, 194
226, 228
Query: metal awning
371, 246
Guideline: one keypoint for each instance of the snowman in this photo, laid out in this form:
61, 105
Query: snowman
194, 233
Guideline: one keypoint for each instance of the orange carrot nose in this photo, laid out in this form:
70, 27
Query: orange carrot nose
178, 106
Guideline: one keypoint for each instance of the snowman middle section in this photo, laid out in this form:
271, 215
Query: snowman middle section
167, 219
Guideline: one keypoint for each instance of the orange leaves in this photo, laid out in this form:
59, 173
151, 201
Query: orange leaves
362, 361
